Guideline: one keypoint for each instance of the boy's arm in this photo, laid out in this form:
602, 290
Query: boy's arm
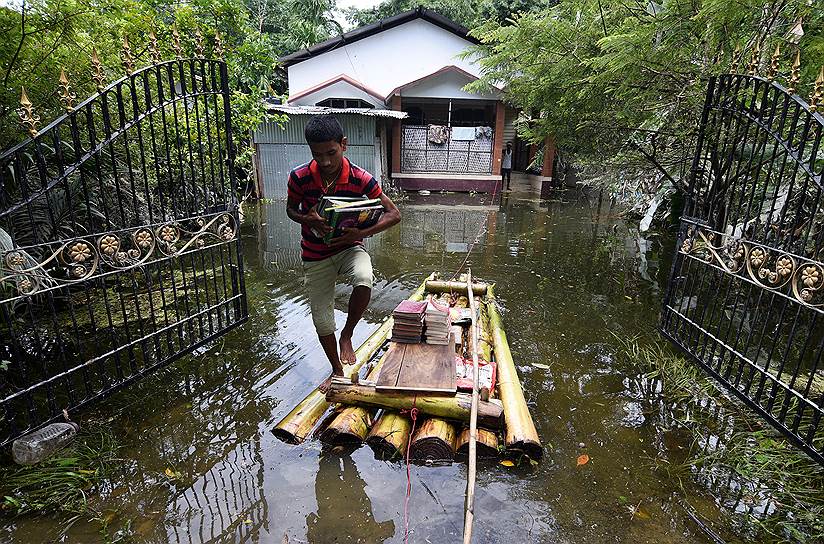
311, 219
390, 217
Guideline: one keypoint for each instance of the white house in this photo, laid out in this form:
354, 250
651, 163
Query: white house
434, 134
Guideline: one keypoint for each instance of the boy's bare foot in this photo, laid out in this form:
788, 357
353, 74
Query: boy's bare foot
327, 383
347, 353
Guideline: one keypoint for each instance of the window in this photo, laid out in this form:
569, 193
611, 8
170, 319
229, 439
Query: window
345, 103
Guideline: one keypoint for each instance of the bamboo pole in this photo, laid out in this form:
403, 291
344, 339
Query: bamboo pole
389, 436
455, 407
480, 289
297, 424
521, 435
469, 507
433, 442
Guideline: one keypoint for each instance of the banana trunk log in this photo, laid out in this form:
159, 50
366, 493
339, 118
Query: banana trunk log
352, 424
433, 442
487, 444
389, 436
455, 407
479, 289
521, 435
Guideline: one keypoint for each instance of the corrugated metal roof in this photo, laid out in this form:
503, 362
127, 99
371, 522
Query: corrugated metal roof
323, 110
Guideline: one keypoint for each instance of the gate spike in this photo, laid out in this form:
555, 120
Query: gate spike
773, 70
218, 50
198, 44
28, 118
97, 71
735, 55
126, 56
795, 73
153, 50
756, 56
818, 91
176, 43
67, 97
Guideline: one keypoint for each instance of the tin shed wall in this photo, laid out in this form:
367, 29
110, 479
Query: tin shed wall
282, 149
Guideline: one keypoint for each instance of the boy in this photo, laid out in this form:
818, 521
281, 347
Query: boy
331, 173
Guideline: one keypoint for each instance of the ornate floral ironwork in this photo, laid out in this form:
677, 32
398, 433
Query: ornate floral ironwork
67, 96
795, 73
80, 259
126, 56
199, 48
28, 118
218, 50
818, 91
176, 43
771, 268
736, 55
154, 51
773, 69
752, 69
97, 71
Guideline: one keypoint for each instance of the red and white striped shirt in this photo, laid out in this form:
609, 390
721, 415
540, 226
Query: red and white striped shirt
305, 187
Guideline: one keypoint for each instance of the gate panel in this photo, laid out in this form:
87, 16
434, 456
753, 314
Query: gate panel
119, 247
745, 298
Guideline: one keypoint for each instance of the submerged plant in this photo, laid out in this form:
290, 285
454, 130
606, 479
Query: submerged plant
751, 469
61, 484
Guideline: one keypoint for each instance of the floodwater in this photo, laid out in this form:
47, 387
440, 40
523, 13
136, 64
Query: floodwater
570, 274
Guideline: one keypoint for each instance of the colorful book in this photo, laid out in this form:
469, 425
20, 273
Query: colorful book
348, 212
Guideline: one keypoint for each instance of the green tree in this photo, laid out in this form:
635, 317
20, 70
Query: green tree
624, 82
465, 12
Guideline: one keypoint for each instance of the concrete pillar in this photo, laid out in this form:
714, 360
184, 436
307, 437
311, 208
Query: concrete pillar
549, 158
396, 136
498, 146
533, 149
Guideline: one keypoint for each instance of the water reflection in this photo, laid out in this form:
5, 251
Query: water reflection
344, 511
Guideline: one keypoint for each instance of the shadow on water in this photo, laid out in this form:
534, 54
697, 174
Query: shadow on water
201, 465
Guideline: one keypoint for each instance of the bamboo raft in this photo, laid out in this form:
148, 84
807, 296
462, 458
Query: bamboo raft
361, 413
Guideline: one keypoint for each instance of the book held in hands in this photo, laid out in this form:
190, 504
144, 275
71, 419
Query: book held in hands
342, 212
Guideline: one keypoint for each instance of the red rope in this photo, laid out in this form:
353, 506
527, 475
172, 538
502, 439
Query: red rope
413, 414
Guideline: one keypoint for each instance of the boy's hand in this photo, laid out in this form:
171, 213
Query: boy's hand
314, 221
349, 237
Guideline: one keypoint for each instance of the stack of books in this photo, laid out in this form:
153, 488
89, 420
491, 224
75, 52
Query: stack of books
438, 322
341, 212
408, 322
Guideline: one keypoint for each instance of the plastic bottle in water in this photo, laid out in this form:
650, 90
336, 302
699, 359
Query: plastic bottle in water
33, 448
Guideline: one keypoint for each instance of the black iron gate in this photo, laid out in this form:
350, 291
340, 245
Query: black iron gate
746, 294
119, 247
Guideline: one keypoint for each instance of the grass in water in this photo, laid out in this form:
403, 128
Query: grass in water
62, 484
778, 487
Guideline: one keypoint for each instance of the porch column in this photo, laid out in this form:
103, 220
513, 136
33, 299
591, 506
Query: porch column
549, 158
498, 146
396, 136
531, 153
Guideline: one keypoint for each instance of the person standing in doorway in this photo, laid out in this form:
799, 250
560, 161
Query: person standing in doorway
506, 165
330, 173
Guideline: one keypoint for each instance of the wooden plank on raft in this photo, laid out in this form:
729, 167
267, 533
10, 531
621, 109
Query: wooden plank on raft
393, 360
419, 367
428, 368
